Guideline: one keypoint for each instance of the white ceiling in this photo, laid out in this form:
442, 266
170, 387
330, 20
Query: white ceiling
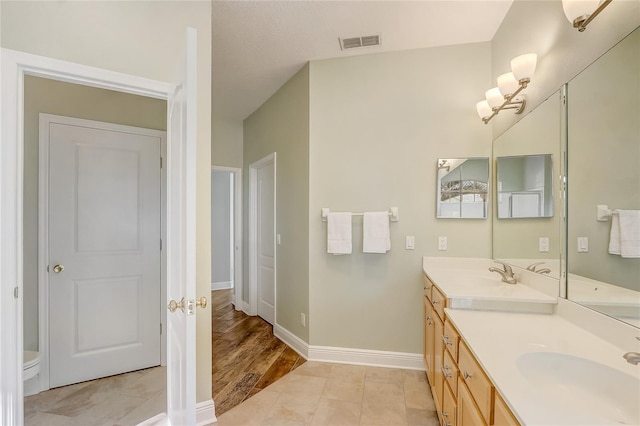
259, 45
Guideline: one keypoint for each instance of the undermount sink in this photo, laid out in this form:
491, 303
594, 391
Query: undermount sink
600, 393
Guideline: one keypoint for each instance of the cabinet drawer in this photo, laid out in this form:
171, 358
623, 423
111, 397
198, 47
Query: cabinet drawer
502, 415
451, 339
438, 300
427, 287
450, 372
478, 383
449, 408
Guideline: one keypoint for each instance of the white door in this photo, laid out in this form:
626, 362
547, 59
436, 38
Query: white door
181, 240
265, 238
104, 250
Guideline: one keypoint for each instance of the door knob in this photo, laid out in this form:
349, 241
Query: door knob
173, 305
201, 302
58, 268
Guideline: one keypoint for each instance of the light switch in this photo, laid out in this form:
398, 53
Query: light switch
278, 239
543, 244
583, 244
410, 241
442, 243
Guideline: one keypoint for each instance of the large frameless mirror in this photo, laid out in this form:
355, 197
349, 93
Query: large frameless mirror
463, 188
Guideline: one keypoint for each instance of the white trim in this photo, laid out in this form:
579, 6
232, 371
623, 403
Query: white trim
45, 121
237, 229
205, 413
253, 237
222, 285
403, 360
246, 308
14, 65
293, 341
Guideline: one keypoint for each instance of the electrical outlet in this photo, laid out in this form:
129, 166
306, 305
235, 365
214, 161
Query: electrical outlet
543, 244
303, 320
442, 243
410, 242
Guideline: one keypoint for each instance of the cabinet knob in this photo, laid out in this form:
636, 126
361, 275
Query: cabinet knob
466, 375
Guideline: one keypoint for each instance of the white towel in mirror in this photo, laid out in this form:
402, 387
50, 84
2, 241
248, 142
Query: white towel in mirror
339, 233
376, 237
614, 237
629, 233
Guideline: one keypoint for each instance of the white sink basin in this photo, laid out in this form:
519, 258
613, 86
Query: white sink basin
595, 391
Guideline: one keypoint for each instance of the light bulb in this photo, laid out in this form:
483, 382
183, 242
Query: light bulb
507, 84
494, 97
483, 108
524, 66
574, 9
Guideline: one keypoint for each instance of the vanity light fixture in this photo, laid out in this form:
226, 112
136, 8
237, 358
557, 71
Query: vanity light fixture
581, 12
507, 94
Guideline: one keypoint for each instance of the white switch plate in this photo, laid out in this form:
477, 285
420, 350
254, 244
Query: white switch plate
410, 242
303, 320
278, 239
442, 243
543, 244
583, 244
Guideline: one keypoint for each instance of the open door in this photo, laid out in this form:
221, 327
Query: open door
181, 241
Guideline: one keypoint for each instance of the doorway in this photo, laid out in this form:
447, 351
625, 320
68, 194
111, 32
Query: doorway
262, 238
226, 231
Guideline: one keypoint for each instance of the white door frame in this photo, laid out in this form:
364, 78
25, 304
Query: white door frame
253, 234
237, 231
14, 66
43, 232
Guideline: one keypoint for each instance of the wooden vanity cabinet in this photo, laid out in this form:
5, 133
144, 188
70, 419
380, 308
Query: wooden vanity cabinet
462, 391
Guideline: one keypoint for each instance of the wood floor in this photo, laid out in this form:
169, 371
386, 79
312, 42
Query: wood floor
247, 357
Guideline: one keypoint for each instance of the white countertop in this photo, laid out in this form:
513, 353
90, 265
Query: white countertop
499, 340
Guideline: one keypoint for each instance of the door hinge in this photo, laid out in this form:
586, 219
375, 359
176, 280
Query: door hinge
160, 244
15, 292
160, 162
161, 329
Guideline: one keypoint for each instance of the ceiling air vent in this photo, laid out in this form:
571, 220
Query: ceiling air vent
364, 41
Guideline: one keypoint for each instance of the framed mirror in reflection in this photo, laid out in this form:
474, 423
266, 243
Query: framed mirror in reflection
603, 167
525, 186
463, 188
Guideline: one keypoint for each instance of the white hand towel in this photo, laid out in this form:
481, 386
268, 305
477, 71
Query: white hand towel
339, 233
614, 237
629, 233
376, 236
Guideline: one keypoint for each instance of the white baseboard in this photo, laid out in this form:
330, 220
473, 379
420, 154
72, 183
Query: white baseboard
296, 343
409, 361
403, 360
222, 285
205, 413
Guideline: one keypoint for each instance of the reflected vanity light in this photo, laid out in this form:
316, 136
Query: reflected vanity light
510, 85
581, 12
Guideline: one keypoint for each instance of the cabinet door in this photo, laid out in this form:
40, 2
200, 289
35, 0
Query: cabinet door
429, 350
438, 347
448, 407
502, 415
468, 413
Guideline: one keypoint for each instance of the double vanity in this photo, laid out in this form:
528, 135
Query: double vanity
509, 354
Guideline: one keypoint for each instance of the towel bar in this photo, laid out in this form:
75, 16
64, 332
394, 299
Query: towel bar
603, 212
393, 214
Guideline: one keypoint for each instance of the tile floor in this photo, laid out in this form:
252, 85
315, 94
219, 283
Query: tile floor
338, 394
125, 399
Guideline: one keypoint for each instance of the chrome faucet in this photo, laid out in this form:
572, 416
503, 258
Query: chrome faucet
632, 357
507, 273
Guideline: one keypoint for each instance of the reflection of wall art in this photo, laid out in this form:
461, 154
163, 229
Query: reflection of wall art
463, 188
